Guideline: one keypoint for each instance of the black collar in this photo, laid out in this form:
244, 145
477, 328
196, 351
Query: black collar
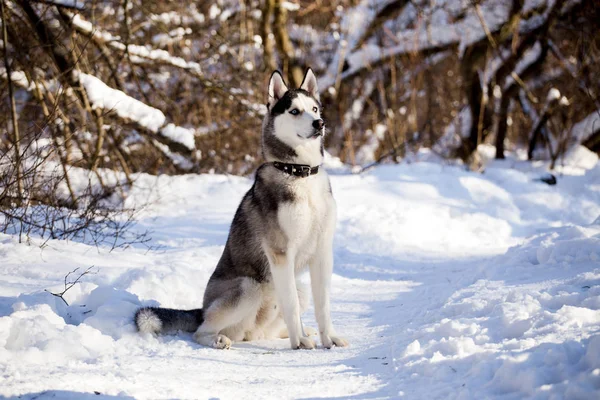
300, 170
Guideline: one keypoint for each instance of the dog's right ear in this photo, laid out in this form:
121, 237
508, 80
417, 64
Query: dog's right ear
277, 88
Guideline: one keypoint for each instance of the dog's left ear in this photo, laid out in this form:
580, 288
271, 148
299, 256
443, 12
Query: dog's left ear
309, 83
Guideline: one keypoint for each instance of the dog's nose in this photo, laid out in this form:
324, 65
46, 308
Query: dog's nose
318, 123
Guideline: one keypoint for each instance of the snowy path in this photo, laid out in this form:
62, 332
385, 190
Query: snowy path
433, 304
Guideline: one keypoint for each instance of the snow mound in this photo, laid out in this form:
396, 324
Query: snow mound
37, 335
527, 328
42, 328
580, 157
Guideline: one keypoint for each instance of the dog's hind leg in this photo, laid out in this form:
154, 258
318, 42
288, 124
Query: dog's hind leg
237, 300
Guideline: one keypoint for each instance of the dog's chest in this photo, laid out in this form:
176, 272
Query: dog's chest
310, 216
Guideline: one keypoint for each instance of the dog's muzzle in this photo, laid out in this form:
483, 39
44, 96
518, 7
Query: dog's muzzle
318, 125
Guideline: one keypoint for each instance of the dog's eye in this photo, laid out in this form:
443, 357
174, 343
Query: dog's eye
295, 111
315, 109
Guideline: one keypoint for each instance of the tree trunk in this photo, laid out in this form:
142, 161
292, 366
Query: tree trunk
267, 36
13, 109
285, 47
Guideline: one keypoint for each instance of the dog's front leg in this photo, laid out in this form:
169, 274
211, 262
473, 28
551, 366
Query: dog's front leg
321, 268
284, 280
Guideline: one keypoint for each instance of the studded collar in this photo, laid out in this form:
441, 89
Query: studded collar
300, 170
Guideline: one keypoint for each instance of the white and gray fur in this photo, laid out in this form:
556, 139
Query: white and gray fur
283, 225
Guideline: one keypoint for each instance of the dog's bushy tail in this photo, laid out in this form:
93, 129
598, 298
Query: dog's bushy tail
167, 320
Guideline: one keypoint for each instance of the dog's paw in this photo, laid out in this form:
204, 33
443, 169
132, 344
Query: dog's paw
257, 334
304, 343
222, 342
330, 341
339, 342
310, 331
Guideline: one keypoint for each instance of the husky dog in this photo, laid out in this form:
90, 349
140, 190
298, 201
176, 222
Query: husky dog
284, 224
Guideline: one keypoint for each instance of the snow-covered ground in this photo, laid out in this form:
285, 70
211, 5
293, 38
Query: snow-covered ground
448, 284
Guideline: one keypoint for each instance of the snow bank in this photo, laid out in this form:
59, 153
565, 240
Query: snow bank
37, 335
527, 328
580, 157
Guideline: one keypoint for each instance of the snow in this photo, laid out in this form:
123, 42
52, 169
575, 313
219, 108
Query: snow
78, 4
180, 135
353, 25
366, 153
436, 24
586, 127
107, 98
174, 18
17, 77
459, 128
174, 36
178, 159
290, 6
553, 95
530, 56
137, 53
447, 283
214, 11
580, 157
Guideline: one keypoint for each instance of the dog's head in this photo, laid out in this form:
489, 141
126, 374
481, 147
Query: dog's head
293, 129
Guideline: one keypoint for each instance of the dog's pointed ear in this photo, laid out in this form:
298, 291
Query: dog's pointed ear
309, 83
277, 87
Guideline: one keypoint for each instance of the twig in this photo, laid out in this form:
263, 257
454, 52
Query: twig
69, 285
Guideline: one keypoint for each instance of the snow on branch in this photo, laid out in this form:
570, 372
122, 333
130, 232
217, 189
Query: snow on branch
138, 54
146, 54
104, 97
426, 37
433, 35
74, 4
354, 26
144, 117
585, 128
130, 109
18, 78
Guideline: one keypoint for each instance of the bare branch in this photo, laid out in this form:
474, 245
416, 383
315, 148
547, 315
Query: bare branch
70, 284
